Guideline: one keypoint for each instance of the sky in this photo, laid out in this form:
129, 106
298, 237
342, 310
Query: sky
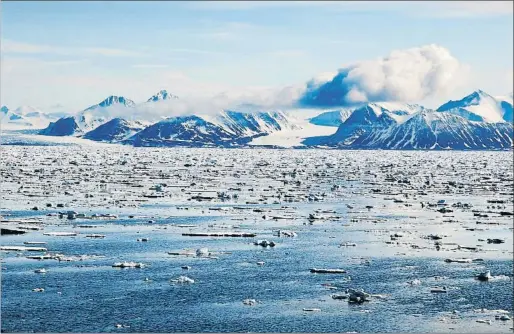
75, 54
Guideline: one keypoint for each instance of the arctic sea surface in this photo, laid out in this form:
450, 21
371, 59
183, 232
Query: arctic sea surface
374, 214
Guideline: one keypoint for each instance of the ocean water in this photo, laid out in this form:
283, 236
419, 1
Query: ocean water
92, 296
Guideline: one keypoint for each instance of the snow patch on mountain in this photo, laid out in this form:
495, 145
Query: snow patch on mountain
111, 101
115, 130
360, 122
437, 130
227, 129
479, 121
162, 95
91, 117
24, 117
183, 131
246, 124
426, 130
332, 118
479, 106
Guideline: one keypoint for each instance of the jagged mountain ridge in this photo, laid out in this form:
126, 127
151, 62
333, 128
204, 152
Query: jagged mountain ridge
480, 106
436, 130
227, 129
111, 101
338, 117
427, 130
363, 120
162, 95
24, 117
181, 131
90, 118
384, 125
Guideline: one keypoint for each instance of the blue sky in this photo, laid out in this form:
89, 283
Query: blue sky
77, 53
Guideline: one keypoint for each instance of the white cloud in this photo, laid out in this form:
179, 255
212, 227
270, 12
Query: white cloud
405, 75
414, 75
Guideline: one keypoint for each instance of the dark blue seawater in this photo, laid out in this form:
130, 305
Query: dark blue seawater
91, 296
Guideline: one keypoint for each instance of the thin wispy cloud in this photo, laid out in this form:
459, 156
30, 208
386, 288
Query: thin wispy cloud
108, 52
64, 62
218, 35
149, 66
288, 53
220, 30
196, 51
30, 65
15, 47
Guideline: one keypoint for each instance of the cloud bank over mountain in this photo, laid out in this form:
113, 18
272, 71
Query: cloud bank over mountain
409, 75
404, 75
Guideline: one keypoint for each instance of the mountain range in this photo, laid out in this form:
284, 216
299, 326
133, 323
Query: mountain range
25, 117
477, 121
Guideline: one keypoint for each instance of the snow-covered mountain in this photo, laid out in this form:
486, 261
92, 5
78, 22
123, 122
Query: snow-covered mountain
182, 131
227, 129
112, 101
12, 120
27, 110
66, 126
506, 103
91, 117
400, 108
24, 117
113, 106
161, 96
438, 130
426, 130
248, 124
480, 106
331, 118
338, 117
115, 130
365, 119
478, 121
